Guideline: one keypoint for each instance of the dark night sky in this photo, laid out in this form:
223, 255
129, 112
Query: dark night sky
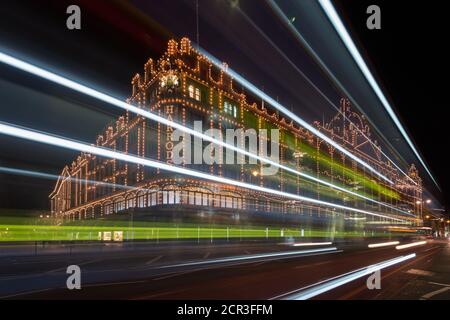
116, 39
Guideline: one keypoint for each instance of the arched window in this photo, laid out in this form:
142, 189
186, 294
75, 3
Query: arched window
141, 200
131, 202
152, 199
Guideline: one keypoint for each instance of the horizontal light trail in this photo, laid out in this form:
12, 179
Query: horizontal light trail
256, 256
276, 9
310, 82
383, 244
347, 40
353, 218
83, 147
293, 116
27, 67
49, 176
308, 244
335, 282
410, 245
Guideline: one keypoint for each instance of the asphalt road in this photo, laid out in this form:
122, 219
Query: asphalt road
228, 271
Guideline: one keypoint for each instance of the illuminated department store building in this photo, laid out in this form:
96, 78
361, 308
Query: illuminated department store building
184, 86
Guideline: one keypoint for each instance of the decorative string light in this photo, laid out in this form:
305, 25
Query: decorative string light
172, 50
35, 136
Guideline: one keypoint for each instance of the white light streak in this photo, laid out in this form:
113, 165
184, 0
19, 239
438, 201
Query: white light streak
342, 31
293, 116
308, 244
335, 282
82, 147
303, 41
27, 67
383, 244
256, 256
409, 245
43, 175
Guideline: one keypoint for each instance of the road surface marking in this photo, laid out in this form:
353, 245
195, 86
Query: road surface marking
420, 272
78, 264
173, 275
313, 265
153, 260
433, 293
440, 284
157, 295
259, 263
206, 255
24, 293
112, 283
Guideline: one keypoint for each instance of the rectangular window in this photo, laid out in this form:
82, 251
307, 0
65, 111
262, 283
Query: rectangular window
223, 203
171, 197
191, 197
153, 201
230, 109
191, 91
217, 201
130, 203
229, 202
205, 199
141, 202
165, 197
198, 198
197, 94
184, 197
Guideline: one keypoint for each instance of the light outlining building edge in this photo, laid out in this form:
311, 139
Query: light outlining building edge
28, 134
276, 9
345, 37
27, 67
272, 102
295, 67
